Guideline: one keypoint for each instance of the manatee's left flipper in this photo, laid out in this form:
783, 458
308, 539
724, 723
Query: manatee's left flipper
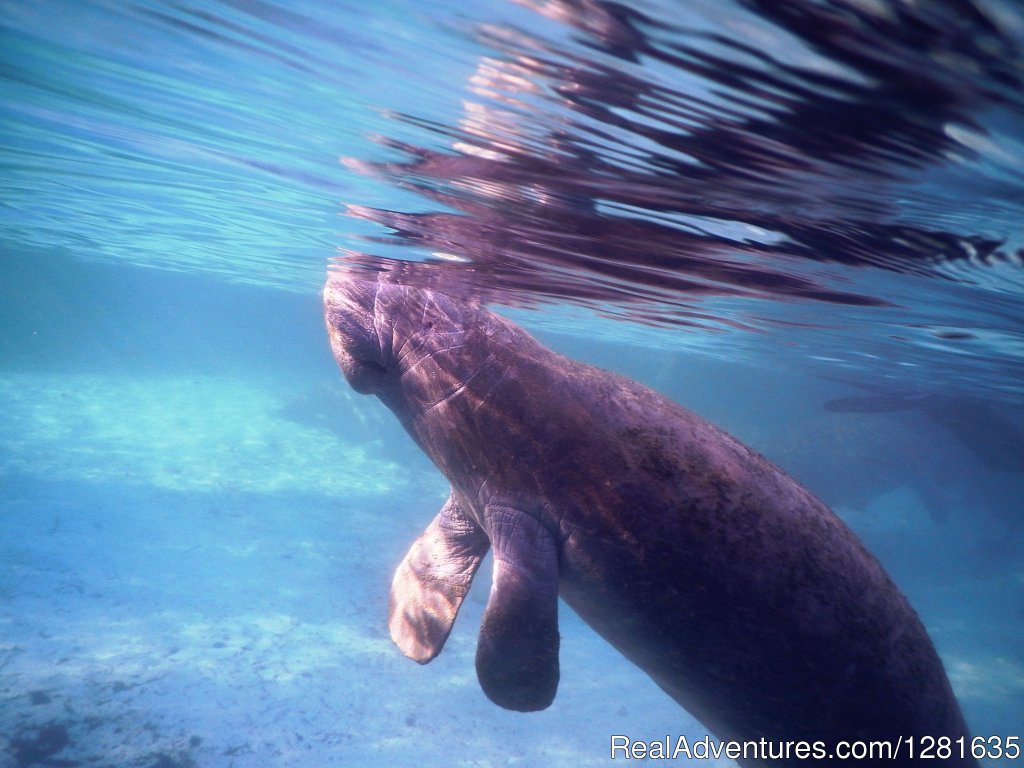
432, 581
517, 653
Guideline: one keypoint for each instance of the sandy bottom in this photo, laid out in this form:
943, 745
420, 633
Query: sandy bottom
194, 572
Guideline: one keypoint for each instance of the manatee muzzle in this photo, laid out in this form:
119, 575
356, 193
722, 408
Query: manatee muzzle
349, 316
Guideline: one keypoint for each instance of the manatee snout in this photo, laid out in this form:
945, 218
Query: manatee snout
349, 307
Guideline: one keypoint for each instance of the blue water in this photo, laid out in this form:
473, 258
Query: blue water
800, 220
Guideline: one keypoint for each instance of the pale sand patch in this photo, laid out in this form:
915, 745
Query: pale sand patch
180, 433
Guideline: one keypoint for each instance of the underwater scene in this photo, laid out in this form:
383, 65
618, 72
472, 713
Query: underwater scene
800, 220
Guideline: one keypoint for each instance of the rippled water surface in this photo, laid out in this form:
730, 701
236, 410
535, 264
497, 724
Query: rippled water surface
843, 176
801, 218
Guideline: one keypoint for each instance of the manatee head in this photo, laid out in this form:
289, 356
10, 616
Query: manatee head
390, 338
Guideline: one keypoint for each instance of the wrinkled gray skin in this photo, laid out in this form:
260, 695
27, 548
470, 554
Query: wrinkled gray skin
738, 592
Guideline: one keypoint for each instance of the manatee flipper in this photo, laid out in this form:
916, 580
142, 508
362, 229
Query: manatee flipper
517, 653
432, 581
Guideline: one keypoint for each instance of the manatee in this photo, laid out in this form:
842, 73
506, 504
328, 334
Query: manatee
986, 431
738, 592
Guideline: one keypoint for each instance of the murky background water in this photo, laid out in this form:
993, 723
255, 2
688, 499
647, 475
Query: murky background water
801, 220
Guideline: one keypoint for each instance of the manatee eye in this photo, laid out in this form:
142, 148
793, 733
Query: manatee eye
430, 323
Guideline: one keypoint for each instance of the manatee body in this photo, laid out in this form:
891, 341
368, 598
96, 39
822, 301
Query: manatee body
743, 596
